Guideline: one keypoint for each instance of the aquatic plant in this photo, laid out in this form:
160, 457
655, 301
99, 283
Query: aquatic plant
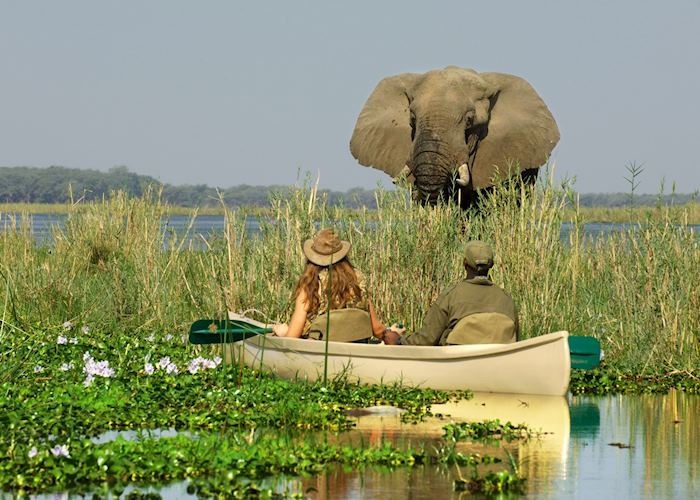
493, 429
607, 380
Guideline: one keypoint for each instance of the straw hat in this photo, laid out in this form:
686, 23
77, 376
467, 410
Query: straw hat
325, 248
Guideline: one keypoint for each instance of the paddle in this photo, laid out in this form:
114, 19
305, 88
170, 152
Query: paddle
217, 331
585, 352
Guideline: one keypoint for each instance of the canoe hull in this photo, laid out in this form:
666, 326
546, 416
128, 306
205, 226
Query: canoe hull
540, 365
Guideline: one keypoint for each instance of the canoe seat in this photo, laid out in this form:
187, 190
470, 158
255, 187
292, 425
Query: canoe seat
346, 325
483, 328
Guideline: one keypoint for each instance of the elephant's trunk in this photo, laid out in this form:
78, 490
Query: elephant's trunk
434, 163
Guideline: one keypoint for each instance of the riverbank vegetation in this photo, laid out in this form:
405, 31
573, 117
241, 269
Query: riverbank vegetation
113, 265
91, 338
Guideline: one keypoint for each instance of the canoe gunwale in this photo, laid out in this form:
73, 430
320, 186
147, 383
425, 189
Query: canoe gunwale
445, 353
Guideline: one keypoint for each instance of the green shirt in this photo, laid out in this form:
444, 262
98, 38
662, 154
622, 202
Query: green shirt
461, 299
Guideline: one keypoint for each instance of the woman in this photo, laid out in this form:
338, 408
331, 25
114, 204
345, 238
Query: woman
347, 287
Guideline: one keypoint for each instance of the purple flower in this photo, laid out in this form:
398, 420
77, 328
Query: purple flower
61, 340
33, 452
67, 325
38, 369
164, 362
168, 337
86, 330
60, 450
151, 338
193, 366
148, 368
66, 366
171, 368
92, 368
200, 363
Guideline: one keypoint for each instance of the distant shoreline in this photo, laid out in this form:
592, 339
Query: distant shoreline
51, 186
586, 214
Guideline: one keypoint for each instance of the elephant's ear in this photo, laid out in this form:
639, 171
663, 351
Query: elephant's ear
521, 130
382, 135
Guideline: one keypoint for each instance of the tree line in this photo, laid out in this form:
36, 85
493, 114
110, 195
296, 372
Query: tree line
59, 184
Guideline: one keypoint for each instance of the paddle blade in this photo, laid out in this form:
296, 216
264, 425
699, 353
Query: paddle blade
585, 352
223, 331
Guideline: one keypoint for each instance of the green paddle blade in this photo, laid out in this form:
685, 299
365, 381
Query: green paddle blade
218, 331
585, 352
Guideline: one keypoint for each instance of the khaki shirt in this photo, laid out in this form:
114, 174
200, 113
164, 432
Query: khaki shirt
459, 300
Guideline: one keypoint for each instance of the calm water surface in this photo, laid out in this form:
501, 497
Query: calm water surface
575, 460
207, 225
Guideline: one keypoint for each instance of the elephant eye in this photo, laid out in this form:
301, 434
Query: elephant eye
469, 119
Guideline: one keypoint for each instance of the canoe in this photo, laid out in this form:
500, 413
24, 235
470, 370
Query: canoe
539, 365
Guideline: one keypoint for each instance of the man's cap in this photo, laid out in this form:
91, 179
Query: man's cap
477, 253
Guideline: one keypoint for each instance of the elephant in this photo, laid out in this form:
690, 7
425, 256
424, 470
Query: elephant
454, 132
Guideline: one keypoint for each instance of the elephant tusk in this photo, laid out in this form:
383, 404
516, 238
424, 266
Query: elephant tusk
463, 178
405, 172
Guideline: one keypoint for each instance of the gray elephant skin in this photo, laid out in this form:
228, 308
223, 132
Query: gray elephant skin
454, 132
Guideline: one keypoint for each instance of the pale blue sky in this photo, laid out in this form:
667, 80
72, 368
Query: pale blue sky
227, 93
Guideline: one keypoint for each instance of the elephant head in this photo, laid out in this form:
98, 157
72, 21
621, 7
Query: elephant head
454, 127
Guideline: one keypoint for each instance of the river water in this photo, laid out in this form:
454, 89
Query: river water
616, 447
41, 225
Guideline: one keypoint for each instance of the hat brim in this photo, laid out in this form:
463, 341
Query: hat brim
325, 260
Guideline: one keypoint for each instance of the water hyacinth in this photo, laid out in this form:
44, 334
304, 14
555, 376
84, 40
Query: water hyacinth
61, 340
164, 362
94, 368
148, 368
200, 363
86, 330
66, 366
67, 325
60, 450
33, 452
38, 369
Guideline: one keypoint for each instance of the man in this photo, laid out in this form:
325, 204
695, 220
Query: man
471, 311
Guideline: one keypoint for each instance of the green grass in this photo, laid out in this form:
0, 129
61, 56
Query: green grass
114, 269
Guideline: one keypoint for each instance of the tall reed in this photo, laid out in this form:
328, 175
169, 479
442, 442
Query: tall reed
116, 267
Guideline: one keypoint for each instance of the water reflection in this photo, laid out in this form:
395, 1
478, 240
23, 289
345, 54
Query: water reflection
663, 460
573, 459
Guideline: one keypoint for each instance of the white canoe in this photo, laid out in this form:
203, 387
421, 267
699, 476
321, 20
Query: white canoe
540, 365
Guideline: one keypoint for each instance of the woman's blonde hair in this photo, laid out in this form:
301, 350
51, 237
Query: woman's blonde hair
344, 285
